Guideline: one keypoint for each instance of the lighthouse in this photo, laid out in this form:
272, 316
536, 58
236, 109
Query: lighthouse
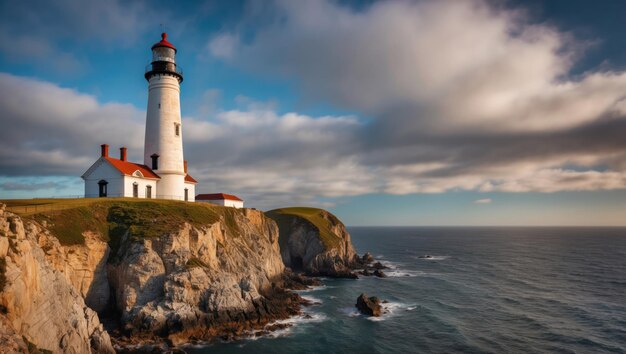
163, 146
163, 174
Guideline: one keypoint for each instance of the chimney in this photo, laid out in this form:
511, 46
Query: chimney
185, 164
104, 150
123, 153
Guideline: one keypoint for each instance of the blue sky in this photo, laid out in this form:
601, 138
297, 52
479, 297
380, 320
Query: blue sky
386, 113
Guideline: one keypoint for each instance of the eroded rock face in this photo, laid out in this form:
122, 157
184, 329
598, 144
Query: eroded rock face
83, 265
197, 277
39, 302
304, 248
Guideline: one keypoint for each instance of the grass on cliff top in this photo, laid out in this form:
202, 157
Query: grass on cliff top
314, 216
113, 217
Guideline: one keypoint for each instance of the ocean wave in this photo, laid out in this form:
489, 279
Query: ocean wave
312, 299
390, 309
404, 273
397, 269
429, 257
287, 326
350, 311
313, 288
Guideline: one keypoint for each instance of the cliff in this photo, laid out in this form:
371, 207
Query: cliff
314, 241
39, 306
171, 272
162, 272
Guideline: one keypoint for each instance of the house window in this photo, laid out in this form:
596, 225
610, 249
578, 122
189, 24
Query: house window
135, 190
177, 129
148, 192
186, 194
102, 188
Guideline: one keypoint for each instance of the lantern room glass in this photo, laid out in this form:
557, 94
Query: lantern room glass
163, 54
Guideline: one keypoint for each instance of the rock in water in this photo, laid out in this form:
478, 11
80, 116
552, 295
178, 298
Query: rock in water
314, 241
367, 258
369, 306
379, 265
379, 273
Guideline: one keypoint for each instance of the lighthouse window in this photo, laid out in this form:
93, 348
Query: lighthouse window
177, 129
159, 106
135, 190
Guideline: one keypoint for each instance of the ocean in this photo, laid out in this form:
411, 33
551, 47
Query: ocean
483, 290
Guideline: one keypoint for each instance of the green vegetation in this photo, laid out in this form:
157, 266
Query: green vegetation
68, 225
112, 218
319, 218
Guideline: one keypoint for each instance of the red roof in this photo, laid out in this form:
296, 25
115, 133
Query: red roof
163, 42
217, 196
128, 168
190, 179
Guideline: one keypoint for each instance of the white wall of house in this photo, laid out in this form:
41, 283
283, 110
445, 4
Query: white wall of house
191, 191
142, 183
119, 185
225, 202
104, 171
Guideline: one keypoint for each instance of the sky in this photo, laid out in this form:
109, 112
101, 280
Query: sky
401, 113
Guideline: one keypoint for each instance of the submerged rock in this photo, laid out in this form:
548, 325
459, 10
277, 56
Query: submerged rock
369, 306
315, 241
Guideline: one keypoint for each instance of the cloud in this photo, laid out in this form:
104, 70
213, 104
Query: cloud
483, 201
54, 130
458, 95
446, 95
17, 186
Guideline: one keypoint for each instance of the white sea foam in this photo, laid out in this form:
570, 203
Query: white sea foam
390, 309
431, 258
350, 311
404, 273
312, 299
396, 269
291, 324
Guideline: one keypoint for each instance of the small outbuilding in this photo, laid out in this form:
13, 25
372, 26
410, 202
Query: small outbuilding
222, 199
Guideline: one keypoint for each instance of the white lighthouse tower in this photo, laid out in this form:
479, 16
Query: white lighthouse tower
163, 149
163, 174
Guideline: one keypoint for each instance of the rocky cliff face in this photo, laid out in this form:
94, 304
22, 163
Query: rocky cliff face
39, 304
314, 241
173, 272
192, 281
